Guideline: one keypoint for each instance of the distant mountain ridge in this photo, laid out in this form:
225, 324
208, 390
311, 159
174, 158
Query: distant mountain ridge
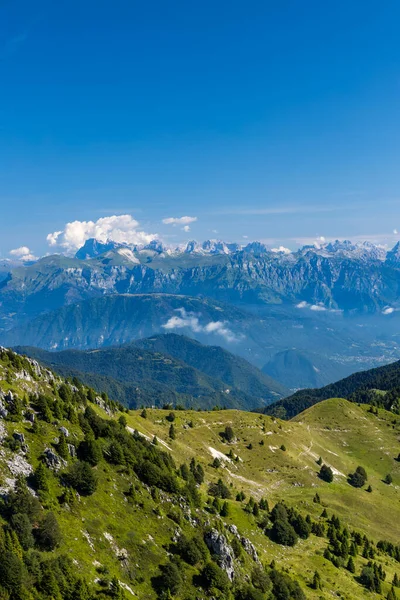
300, 369
215, 362
135, 375
344, 248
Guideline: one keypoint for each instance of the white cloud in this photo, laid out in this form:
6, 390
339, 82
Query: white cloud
302, 304
395, 231
281, 249
118, 228
23, 253
191, 321
317, 307
186, 228
388, 310
179, 220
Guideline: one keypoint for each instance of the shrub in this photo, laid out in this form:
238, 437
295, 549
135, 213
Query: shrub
219, 490
326, 474
358, 478
48, 534
171, 578
81, 477
283, 533
192, 550
214, 577
228, 434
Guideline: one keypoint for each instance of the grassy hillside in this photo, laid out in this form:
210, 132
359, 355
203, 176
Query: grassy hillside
147, 525
137, 376
358, 387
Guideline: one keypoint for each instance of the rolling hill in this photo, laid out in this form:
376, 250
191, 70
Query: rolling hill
359, 387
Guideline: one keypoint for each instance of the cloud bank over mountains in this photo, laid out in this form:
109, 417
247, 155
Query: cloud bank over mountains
121, 228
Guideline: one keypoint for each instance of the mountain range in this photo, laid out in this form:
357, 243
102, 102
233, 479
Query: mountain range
335, 305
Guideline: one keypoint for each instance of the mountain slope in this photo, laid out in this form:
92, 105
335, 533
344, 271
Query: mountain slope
136, 376
303, 369
215, 362
386, 379
130, 518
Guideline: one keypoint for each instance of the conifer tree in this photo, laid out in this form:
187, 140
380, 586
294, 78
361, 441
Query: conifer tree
225, 509
62, 447
350, 565
391, 594
316, 582
42, 478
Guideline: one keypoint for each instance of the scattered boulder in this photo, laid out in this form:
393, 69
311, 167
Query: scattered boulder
19, 437
3, 410
250, 549
53, 460
65, 431
218, 545
72, 450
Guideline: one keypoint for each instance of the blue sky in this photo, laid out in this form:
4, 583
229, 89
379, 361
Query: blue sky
271, 120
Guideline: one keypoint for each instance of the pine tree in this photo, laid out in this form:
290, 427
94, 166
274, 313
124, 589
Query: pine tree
171, 433
42, 478
80, 591
350, 565
391, 594
116, 590
224, 510
396, 580
316, 582
62, 447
